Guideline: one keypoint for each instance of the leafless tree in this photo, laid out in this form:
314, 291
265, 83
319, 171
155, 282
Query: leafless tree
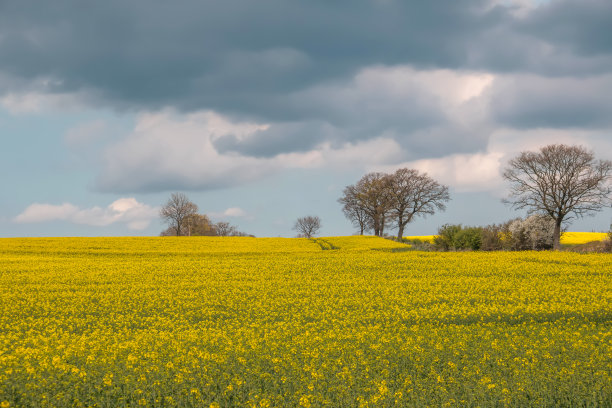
225, 229
414, 194
177, 211
194, 225
561, 181
379, 200
307, 226
373, 195
353, 210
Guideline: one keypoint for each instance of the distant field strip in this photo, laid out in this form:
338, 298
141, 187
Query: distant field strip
577, 238
272, 322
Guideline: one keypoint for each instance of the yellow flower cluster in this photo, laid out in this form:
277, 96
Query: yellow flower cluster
423, 238
271, 322
577, 238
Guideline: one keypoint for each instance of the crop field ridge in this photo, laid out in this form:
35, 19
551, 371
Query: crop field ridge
280, 322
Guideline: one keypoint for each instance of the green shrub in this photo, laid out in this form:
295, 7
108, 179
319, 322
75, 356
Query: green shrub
608, 242
468, 238
445, 239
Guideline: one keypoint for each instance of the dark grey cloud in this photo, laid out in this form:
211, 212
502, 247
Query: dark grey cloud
583, 27
242, 57
279, 138
527, 101
298, 65
236, 55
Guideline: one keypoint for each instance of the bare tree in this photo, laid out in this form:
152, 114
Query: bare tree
177, 211
353, 209
307, 226
373, 195
379, 200
414, 194
561, 181
194, 225
225, 229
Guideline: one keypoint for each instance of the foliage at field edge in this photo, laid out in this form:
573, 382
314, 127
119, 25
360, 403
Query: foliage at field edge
568, 238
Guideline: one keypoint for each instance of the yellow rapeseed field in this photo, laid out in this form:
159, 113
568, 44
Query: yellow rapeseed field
331, 322
422, 238
577, 238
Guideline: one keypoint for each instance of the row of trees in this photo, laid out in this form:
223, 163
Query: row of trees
557, 184
379, 200
182, 217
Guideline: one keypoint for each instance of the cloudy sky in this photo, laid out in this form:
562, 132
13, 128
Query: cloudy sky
262, 111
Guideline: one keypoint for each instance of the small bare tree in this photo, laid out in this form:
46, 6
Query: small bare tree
373, 194
308, 226
177, 211
414, 194
353, 209
561, 181
225, 229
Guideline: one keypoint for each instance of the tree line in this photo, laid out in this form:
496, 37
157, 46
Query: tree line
555, 185
182, 217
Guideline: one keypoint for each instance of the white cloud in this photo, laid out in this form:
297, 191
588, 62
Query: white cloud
466, 172
168, 150
136, 215
449, 86
235, 212
439, 121
29, 102
482, 171
231, 212
47, 212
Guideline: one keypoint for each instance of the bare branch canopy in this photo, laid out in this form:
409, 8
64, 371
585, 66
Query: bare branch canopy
380, 200
561, 181
177, 211
307, 226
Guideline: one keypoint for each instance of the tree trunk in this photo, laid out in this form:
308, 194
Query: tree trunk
400, 231
557, 235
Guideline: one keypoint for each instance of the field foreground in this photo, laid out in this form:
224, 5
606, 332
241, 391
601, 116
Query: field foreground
267, 322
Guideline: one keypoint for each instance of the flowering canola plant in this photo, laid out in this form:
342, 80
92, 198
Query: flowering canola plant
271, 322
577, 238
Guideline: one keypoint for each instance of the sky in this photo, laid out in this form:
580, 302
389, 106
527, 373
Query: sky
262, 112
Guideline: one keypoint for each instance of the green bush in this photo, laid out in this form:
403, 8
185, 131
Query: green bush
468, 238
445, 239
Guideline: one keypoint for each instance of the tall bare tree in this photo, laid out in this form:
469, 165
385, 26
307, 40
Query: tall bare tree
177, 211
561, 181
353, 210
373, 194
307, 226
413, 194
